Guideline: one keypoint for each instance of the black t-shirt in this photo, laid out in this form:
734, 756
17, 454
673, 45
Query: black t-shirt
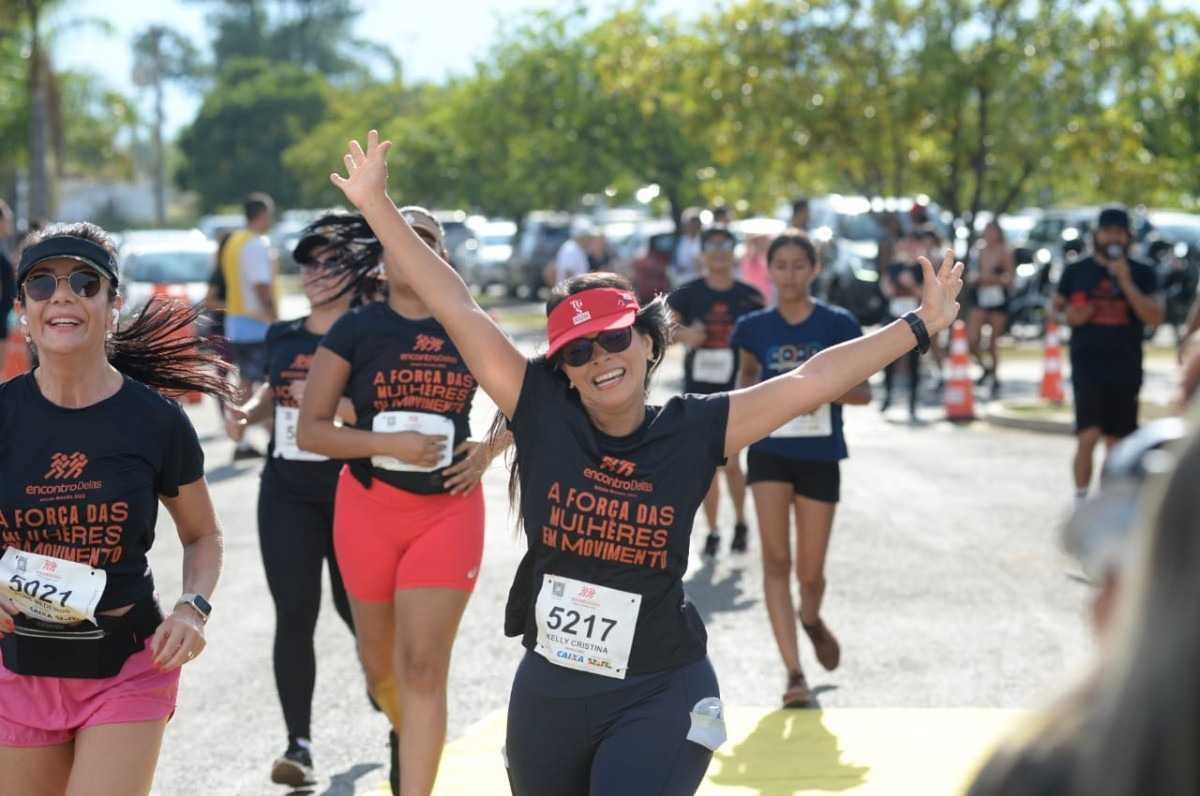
719, 311
398, 365
83, 484
1109, 346
303, 476
615, 512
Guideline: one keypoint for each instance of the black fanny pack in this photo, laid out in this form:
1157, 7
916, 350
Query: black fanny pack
83, 650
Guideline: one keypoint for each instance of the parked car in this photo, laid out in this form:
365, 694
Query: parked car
214, 226
536, 245
847, 234
1170, 241
483, 257
287, 233
172, 263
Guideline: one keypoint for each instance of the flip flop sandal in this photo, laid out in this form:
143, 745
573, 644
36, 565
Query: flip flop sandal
829, 652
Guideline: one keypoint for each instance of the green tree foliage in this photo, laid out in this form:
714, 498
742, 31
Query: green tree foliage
255, 111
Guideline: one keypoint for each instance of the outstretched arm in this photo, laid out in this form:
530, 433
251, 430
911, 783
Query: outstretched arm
491, 357
756, 411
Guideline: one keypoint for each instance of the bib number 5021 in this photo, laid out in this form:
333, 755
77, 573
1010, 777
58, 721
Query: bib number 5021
51, 589
573, 623
46, 592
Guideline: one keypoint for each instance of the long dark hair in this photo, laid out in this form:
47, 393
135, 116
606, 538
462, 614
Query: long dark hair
653, 320
160, 348
358, 254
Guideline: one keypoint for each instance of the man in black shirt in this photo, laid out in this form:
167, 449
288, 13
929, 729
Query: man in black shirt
1108, 299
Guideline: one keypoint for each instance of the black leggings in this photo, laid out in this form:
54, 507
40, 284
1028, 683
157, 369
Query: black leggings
296, 538
914, 370
568, 740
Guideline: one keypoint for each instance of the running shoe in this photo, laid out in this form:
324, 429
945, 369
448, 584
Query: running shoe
829, 652
295, 768
712, 545
740, 532
797, 694
394, 764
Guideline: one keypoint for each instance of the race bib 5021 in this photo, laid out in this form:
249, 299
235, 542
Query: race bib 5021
50, 589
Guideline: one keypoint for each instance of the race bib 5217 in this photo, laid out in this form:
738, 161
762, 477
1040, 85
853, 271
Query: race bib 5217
814, 424
584, 626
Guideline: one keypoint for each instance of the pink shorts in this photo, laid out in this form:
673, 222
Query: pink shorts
387, 539
48, 711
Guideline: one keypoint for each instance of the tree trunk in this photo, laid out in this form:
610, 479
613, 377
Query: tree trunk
39, 133
160, 165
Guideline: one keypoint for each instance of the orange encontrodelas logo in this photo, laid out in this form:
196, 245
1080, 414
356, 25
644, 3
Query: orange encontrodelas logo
64, 468
65, 465
429, 344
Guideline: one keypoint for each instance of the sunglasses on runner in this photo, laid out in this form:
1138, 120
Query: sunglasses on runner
83, 283
578, 352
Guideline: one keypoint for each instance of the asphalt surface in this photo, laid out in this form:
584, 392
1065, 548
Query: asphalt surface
945, 586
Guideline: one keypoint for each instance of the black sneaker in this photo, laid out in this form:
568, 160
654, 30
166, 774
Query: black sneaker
295, 768
740, 532
394, 766
711, 545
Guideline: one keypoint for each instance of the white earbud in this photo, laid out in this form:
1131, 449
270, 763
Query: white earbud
24, 321
116, 317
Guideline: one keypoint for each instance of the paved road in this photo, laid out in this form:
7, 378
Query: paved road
945, 586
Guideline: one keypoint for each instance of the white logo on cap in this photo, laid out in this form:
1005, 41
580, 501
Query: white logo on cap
580, 315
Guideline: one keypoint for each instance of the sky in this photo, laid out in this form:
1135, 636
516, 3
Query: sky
432, 39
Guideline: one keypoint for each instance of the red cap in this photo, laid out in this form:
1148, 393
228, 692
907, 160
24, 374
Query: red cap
588, 312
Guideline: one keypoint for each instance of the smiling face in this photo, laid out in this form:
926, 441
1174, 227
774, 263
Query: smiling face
612, 382
67, 323
791, 272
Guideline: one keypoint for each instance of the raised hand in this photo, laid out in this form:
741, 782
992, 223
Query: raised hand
366, 180
939, 292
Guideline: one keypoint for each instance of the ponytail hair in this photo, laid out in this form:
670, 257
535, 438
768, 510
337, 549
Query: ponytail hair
358, 254
160, 348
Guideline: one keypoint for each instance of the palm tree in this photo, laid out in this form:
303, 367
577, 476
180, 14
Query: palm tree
162, 54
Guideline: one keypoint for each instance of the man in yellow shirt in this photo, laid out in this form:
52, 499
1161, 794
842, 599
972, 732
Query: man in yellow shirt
250, 289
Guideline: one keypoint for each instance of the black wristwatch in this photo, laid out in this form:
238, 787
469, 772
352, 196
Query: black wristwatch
918, 326
197, 602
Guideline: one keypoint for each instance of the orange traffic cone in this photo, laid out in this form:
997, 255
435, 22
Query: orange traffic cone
16, 356
960, 393
1052, 375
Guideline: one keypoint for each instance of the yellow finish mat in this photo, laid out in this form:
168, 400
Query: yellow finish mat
893, 751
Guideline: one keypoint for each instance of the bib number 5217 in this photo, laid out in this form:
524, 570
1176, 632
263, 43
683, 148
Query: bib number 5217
586, 626
573, 623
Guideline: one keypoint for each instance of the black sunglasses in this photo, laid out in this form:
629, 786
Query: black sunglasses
40, 287
578, 353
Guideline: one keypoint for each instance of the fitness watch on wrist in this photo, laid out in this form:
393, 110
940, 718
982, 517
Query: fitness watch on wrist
198, 603
918, 326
